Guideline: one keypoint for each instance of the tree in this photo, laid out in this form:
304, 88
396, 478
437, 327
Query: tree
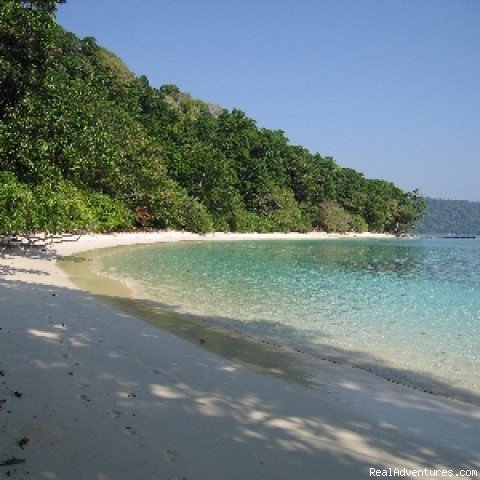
94, 146
25, 40
16, 200
332, 217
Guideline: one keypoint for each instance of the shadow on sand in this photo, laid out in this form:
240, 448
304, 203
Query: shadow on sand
143, 404
229, 337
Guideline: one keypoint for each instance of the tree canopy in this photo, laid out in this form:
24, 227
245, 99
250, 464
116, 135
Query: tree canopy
87, 144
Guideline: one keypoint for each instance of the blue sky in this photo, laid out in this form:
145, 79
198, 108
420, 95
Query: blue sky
390, 88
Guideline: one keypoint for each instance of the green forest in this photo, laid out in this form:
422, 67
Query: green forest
87, 145
443, 217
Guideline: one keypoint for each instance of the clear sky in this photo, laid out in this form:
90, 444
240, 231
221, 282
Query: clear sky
390, 88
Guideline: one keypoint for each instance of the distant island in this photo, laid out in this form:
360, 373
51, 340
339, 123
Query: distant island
87, 145
450, 217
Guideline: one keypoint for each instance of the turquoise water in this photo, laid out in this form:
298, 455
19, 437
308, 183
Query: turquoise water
407, 309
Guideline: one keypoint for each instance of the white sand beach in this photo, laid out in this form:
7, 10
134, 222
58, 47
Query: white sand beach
90, 392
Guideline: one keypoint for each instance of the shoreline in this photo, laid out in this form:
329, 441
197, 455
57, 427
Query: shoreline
216, 336
183, 402
307, 360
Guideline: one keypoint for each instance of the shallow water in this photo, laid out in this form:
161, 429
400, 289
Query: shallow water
407, 309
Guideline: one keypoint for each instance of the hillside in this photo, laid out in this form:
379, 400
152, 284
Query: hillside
85, 144
450, 217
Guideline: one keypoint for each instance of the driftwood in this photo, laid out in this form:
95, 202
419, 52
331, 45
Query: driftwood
42, 240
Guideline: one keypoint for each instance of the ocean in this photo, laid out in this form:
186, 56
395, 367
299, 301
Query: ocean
404, 309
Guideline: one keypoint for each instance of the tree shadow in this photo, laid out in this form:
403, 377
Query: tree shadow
234, 339
7, 253
112, 397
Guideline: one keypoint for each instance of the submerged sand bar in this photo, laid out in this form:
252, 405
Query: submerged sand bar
90, 392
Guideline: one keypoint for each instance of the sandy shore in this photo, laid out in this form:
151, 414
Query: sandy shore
90, 392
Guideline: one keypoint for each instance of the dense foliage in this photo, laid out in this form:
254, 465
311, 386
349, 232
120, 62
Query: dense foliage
86, 144
450, 217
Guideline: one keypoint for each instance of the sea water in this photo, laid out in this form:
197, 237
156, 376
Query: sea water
406, 309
